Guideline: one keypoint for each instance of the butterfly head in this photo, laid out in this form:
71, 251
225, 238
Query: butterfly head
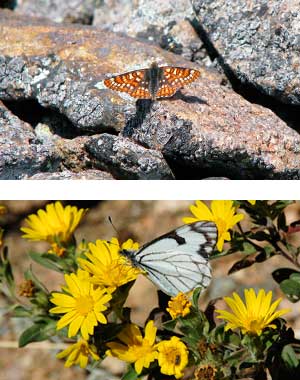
129, 254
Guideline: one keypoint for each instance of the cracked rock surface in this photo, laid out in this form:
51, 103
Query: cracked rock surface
258, 40
20, 151
127, 159
85, 129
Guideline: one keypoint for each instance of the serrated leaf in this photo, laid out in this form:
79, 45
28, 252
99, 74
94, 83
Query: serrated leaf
289, 357
45, 261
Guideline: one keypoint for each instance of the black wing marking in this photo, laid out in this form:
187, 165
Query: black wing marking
178, 260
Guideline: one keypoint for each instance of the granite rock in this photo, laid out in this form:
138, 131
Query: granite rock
259, 41
127, 160
72, 11
21, 153
205, 130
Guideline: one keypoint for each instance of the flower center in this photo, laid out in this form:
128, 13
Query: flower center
173, 356
255, 325
84, 305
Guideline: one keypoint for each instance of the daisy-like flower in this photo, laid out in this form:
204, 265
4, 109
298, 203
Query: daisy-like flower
253, 316
55, 225
78, 353
83, 305
172, 357
107, 267
179, 306
136, 349
222, 213
252, 203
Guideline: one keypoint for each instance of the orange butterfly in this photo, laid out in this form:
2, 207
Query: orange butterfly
155, 82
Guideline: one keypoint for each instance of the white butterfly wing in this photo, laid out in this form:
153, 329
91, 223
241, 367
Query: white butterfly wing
178, 261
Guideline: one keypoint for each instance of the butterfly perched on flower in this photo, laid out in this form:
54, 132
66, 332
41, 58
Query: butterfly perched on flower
155, 82
178, 261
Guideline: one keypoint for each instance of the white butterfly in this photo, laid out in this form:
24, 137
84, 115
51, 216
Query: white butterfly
178, 261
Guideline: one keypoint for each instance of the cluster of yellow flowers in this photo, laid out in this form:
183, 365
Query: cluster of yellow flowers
85, 299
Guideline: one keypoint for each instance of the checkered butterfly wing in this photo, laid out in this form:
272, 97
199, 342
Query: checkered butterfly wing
132, 83
174, 78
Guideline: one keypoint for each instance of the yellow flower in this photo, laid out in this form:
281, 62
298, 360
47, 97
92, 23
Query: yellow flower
222, 213
78, 353
107, 267
253, 316
252, 202
179, 306
138, 350
55, 225
172, 356
82, 306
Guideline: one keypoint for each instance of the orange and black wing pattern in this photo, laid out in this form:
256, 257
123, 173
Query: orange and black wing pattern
174, 78
132, 83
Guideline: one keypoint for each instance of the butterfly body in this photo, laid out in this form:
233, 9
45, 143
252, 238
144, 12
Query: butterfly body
155, 82
178, 261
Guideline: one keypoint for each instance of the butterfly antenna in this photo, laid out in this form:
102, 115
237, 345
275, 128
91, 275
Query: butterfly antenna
113, 226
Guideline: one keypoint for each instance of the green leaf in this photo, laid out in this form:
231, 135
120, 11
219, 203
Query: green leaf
248, 248
196, 295
20, 312
170, 325
289, 357
291, 289
130, 374
46, 260
295, 277
37, 333
29, 275
283, 274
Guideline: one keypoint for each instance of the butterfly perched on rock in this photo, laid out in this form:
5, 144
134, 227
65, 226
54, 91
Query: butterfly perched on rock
179, 260
155, 82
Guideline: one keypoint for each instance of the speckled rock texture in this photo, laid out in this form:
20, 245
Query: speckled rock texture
205, 130
125, 159
72, 11
167, 23
67, 174
258, 40
20, 151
